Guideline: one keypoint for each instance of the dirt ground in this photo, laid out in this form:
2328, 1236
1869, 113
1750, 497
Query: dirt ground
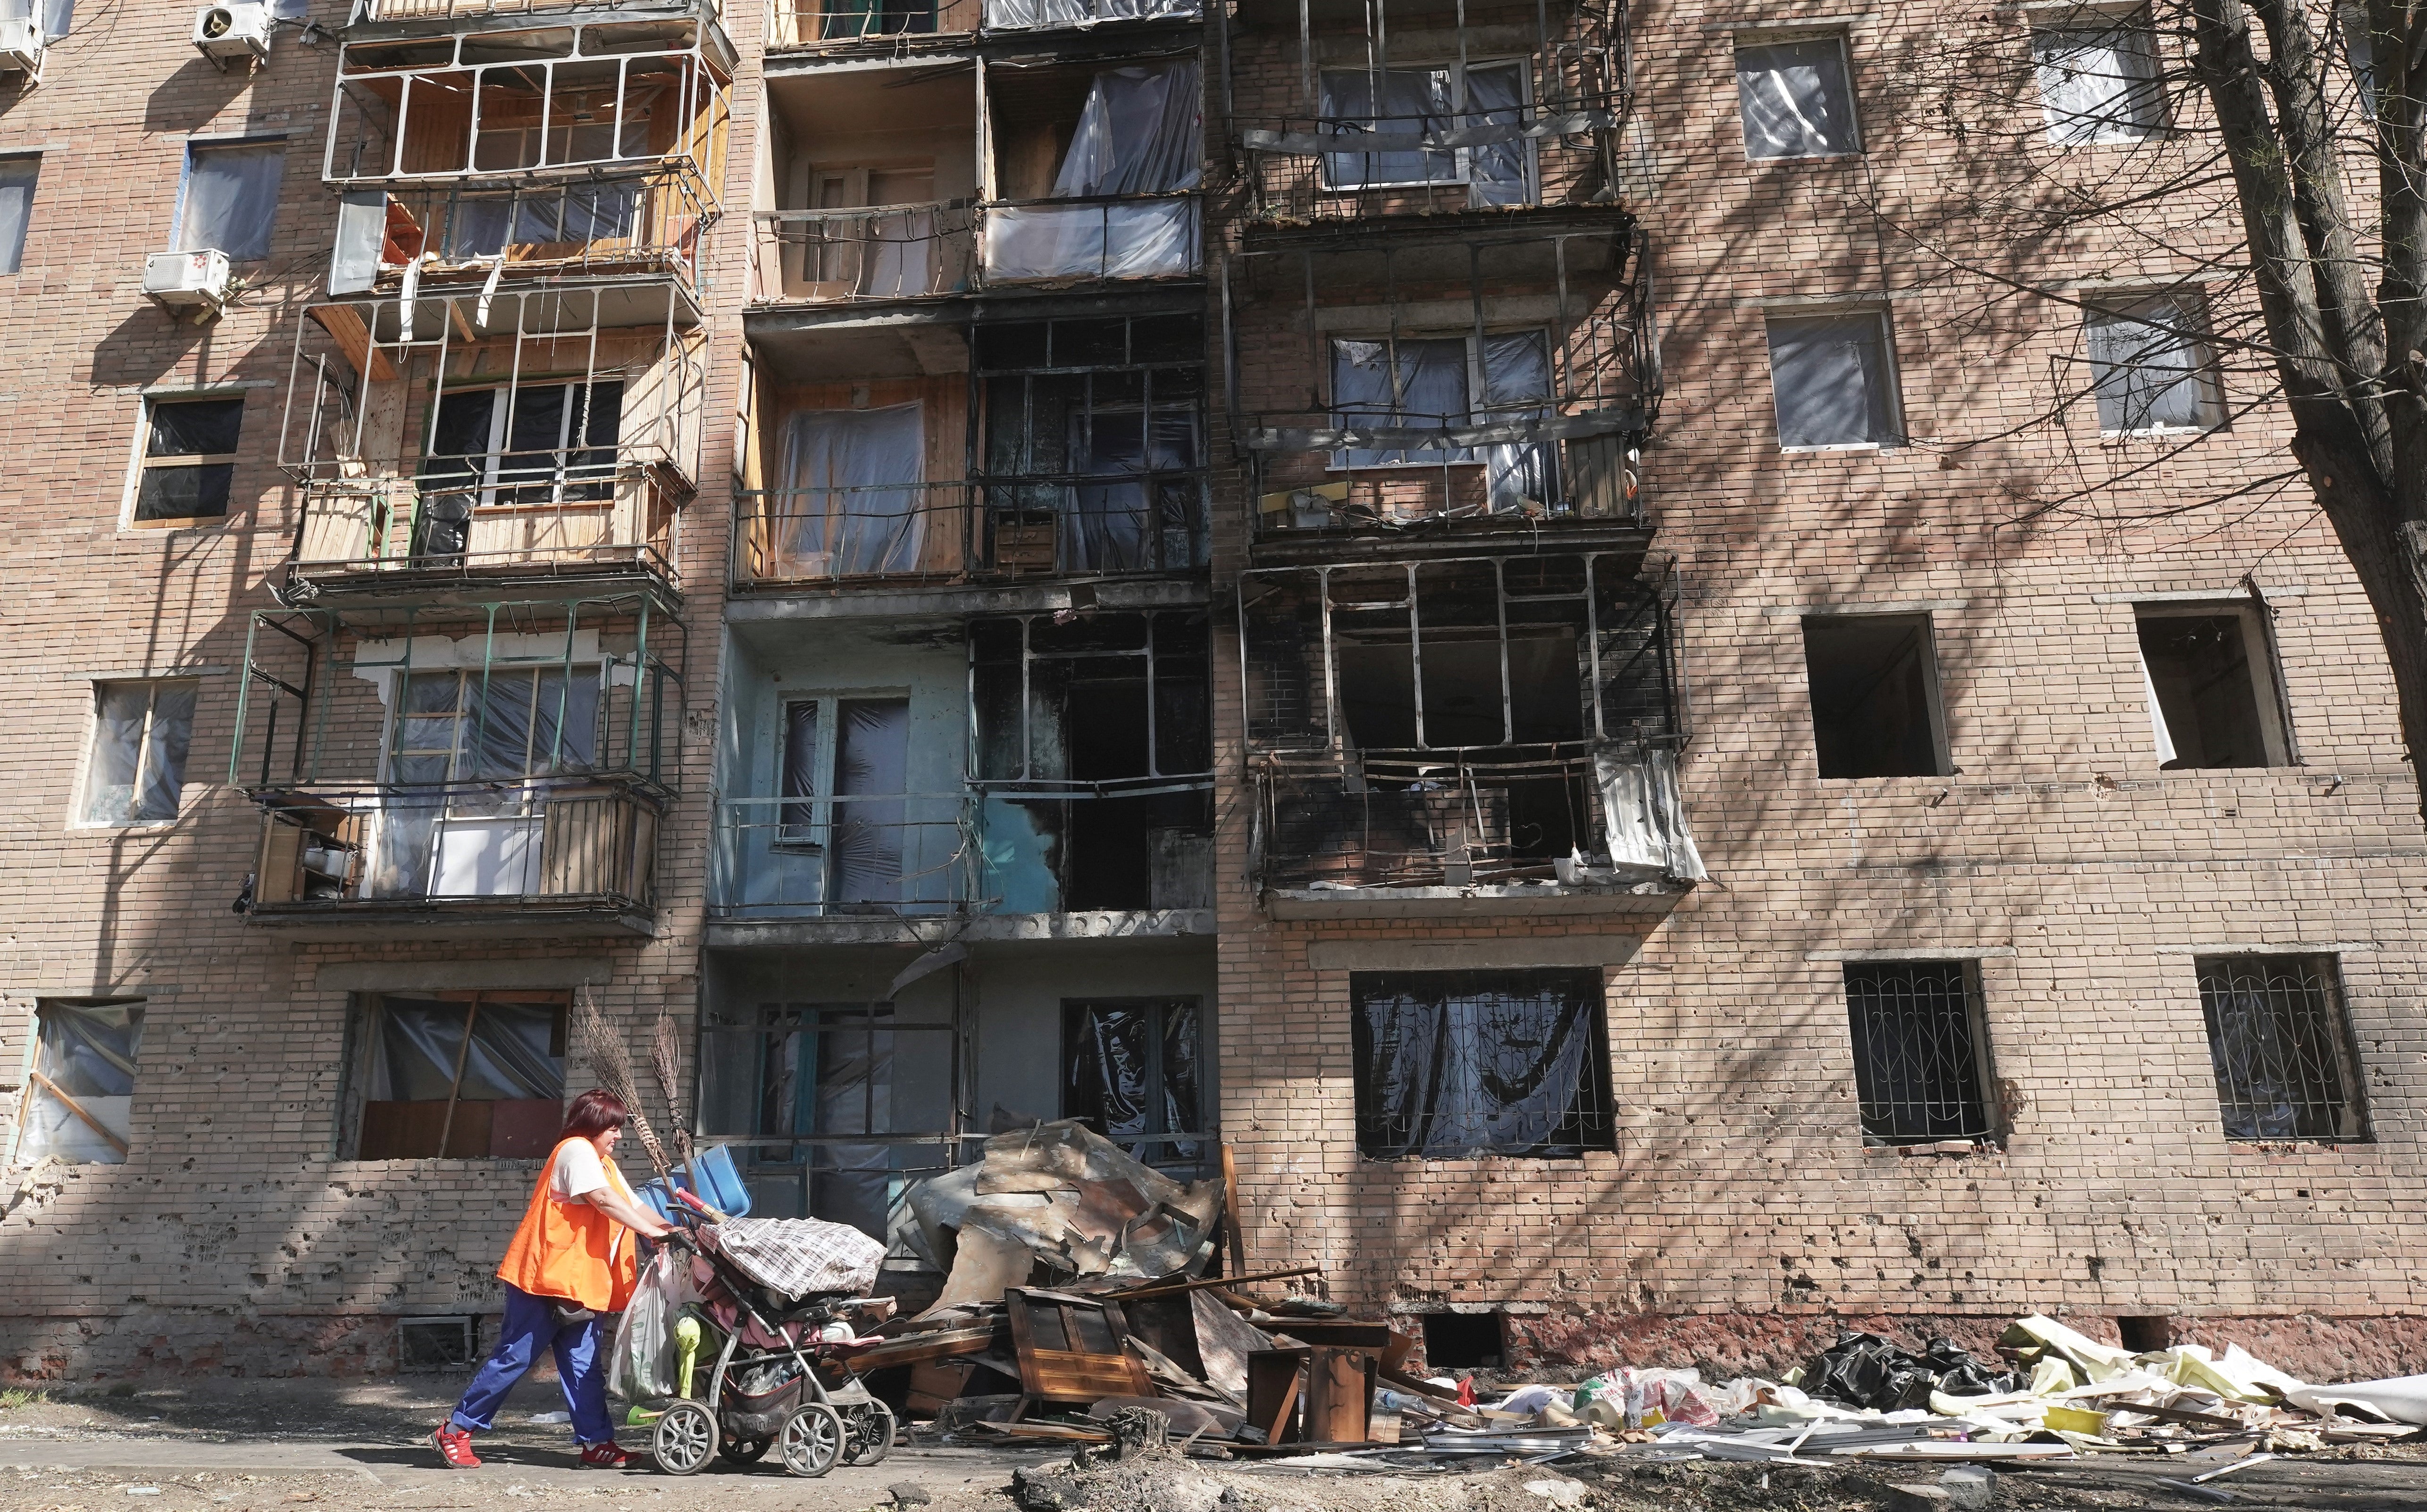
205, 1445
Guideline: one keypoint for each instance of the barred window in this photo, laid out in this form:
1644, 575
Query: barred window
2281, 1047
1452, 1064
1921, 1052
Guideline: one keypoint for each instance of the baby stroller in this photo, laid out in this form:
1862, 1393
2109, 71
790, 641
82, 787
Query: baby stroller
765, 1390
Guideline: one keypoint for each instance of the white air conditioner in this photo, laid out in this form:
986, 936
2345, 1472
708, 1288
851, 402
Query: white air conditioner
183, 281
21, 46
237, 29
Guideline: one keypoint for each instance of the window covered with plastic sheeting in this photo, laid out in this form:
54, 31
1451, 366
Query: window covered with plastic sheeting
1796, 98
2281, 1047
2099, 81
1131, 1070
81, 1089
853, 485
1834, 378
458, 1074
1141, 133
1455, 1064
2149, 367
1921, 1051
1446, 382
1009, 15
141, 732
1417, 117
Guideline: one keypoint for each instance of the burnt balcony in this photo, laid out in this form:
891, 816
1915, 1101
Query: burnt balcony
855, 26
570, 224
998, 529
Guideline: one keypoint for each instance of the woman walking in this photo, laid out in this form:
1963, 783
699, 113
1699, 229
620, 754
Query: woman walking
569, 1267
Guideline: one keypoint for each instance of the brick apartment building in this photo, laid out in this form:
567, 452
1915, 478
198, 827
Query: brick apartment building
1418, 589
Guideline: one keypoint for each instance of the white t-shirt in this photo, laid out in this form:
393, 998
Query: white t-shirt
579, 1172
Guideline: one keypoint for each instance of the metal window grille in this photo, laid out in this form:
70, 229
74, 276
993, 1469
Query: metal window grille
2281, 1047
1920, 1052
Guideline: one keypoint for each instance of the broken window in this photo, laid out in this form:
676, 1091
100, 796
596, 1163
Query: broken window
1428, 383
1094, 443
2149, 367
1797, 98
2281, 1047
513, 448
136, 771
1875, 705
2098, 80
1412, 105
1834, 378
230, 197
80, 1090
462, 1075
1921, 1051
2212, 697
1454, 1064
1140, 132
540, 215
17, 178
1131, 1069
188, 461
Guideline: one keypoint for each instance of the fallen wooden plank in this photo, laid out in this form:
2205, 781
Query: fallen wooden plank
912, 1349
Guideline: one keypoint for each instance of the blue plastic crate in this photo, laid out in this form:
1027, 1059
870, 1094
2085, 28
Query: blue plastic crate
710, 1176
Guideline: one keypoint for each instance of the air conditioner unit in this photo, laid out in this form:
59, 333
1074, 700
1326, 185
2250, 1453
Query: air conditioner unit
21, 46
237, 29
182, 281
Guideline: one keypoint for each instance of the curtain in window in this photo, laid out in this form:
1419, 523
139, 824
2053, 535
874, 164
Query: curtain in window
1829, 377
1411, 101
230, 198
1456, 1064
2097, 84
86, 1055
853, 501
1796, 98
16, 177
1431, 392
2146, 369
1141, 132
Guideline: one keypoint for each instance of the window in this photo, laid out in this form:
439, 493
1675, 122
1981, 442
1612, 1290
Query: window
2150, 368
17, 175
2359, 49
2281, 1047
1833, 378
81, 1086
532, 445
2209, 674
1424, 384
1452, 1064
1921, 1051
1430, 102
2098, 80
1875, 704
1131, 1068
456, 725
188, 459
464, 1075
58, 15
1797, 99
230, 198
136, 768
852, 755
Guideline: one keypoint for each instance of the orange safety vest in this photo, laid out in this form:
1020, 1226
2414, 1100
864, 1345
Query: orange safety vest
570, 1249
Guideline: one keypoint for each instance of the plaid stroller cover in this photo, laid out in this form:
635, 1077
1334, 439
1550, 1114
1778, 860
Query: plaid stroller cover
800, 1257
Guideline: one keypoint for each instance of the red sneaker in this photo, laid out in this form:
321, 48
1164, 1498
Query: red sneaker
604, 1456
455, 1447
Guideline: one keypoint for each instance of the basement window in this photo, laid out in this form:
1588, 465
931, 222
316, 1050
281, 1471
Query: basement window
1455, 1064
142, 732
1875, 702
1131, 1068
462, 1075
1797, 99
435, 1343
2209, 676
80, 1090
1464, 1340
2280, 1044
1833, 380
188, 460
1921, 1051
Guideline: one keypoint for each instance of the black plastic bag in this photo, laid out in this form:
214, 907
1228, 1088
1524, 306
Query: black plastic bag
1866, 1371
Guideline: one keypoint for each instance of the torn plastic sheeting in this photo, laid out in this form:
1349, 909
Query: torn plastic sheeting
851, 490
1644, 812
1022, 14
2398, 1399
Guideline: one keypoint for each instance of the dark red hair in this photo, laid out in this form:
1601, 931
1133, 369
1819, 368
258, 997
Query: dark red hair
595, 1111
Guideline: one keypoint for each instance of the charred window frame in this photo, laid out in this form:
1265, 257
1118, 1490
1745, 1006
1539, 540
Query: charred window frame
1921, 1051
1095, 428
1022, 673
2280, 1043
1455, 1064
1133, 1070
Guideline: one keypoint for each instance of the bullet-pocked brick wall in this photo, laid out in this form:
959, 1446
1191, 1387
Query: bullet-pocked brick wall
1740, 1217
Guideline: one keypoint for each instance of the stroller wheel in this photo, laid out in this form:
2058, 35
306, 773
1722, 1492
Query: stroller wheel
685, 1439
872, 1434
746, 1451
811, 1441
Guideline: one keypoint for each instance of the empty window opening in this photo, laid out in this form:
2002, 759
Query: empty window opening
2280, 1044
464, 1075
2210, 681
1454, 1064
2098, 80
1439, 100
1833, 380
1875, 701
435, 1343
1464, 1340
1797, 98
2150, 368
2146, 1333
1131, 1068
80, 1093
1921, 1051
136, 771
188, 461
230, 198
17, 177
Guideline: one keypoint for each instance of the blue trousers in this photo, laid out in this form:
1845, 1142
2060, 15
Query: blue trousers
528, 1325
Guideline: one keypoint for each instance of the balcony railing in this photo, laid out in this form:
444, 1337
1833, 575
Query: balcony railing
909, 251
376, 10
535, 846
1090, 238
1062, 524
391, 531
843, 23
846, 855
641, 224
